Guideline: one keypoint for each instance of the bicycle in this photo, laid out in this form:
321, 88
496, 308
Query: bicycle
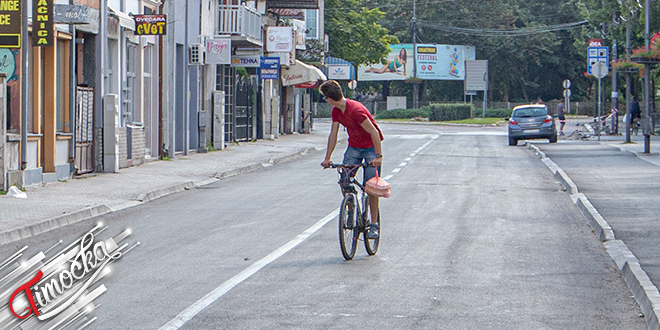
354, 215
636, 124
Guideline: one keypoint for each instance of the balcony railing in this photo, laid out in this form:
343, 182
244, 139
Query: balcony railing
239, 20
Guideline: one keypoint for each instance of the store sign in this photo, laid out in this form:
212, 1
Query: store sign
301, 28
218, 51
42, 23
339, 72
245, 61
269, 68
150, 25
279, 39
10, 24
70, 14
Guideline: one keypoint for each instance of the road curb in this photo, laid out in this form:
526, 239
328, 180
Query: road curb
95, 211
601, 228
50, 224
646, 294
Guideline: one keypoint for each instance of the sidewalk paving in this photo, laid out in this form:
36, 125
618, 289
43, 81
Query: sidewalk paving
56, 204
615, 185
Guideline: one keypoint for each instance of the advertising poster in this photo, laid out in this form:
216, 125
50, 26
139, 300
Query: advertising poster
399, 65
10, 25
443, 62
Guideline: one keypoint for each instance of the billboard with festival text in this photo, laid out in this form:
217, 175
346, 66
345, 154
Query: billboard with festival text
434, 62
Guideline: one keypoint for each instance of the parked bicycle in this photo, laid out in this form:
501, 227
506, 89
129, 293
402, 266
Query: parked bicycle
354, 215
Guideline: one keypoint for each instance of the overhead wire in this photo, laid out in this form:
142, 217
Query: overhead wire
511, 32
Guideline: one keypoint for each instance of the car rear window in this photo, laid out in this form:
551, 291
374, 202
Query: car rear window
530, 112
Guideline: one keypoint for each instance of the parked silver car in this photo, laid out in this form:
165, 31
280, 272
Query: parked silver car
531, 121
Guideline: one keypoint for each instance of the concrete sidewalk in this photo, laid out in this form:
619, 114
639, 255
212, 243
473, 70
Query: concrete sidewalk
56, 204
615, 185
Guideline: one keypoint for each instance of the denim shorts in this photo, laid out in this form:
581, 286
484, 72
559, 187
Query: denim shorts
354, 156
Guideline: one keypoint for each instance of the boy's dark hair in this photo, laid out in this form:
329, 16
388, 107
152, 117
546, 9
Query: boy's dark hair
331, 90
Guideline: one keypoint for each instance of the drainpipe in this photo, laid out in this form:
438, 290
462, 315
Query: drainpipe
72, 99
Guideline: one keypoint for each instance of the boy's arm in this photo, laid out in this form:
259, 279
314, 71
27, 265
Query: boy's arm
375, 138
332, 143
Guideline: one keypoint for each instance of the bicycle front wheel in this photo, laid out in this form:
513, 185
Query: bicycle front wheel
348, 227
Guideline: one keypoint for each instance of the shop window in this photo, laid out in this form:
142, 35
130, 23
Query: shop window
63, 125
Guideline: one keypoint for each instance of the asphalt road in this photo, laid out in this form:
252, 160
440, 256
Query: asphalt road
476, 235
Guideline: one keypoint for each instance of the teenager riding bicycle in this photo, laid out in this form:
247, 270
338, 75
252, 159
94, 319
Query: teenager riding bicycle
364, 138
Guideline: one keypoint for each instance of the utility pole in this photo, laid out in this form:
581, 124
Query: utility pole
24, 86
628, 119
646, 123
615, 91
414, 36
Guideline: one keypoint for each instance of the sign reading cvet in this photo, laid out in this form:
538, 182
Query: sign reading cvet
10, 23
42, 26
150, 25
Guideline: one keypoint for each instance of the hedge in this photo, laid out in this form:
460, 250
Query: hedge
402, 113
449, 112
493, 113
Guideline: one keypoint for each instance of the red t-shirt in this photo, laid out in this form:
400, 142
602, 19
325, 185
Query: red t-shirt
352, 118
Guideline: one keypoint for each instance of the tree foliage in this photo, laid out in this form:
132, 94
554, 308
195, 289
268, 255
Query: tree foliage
521, 68
354, 32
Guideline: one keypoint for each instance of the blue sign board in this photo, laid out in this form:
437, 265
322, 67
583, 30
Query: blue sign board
269, 67
597, 54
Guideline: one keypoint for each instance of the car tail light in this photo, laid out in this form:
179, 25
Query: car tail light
547, 120
512, 122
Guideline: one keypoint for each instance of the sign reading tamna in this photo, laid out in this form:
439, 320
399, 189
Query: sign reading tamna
42, 23
10, 23
150, 25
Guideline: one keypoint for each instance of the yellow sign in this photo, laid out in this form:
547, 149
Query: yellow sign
150, 25
42, 26
10, 23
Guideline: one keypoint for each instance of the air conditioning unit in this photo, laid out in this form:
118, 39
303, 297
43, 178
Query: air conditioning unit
196, 54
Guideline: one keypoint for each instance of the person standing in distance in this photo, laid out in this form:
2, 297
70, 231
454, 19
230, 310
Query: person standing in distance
562, 118
364, 138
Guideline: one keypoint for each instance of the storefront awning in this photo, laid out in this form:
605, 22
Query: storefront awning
124, 20
339, 69
300, 73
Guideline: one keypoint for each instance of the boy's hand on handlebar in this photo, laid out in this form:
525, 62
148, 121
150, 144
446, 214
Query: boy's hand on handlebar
326, 163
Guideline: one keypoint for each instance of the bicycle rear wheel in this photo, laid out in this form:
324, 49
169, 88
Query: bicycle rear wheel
371, 245
348, 227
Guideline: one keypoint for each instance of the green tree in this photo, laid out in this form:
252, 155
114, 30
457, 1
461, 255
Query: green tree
354, 32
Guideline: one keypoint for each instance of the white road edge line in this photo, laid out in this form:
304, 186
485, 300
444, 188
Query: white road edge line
396, 170
218, 292
388, 177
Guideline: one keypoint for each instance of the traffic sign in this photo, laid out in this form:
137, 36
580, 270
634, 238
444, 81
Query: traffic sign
600, 70
567, 93
566, 83
597, 55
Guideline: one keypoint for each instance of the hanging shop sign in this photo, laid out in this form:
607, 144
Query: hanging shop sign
269, 68
218, 51
42, 26
70, 14
279, 39
245, 61
10, 24
153, 25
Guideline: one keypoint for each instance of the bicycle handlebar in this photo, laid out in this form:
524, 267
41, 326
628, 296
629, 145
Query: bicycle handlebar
365, 164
